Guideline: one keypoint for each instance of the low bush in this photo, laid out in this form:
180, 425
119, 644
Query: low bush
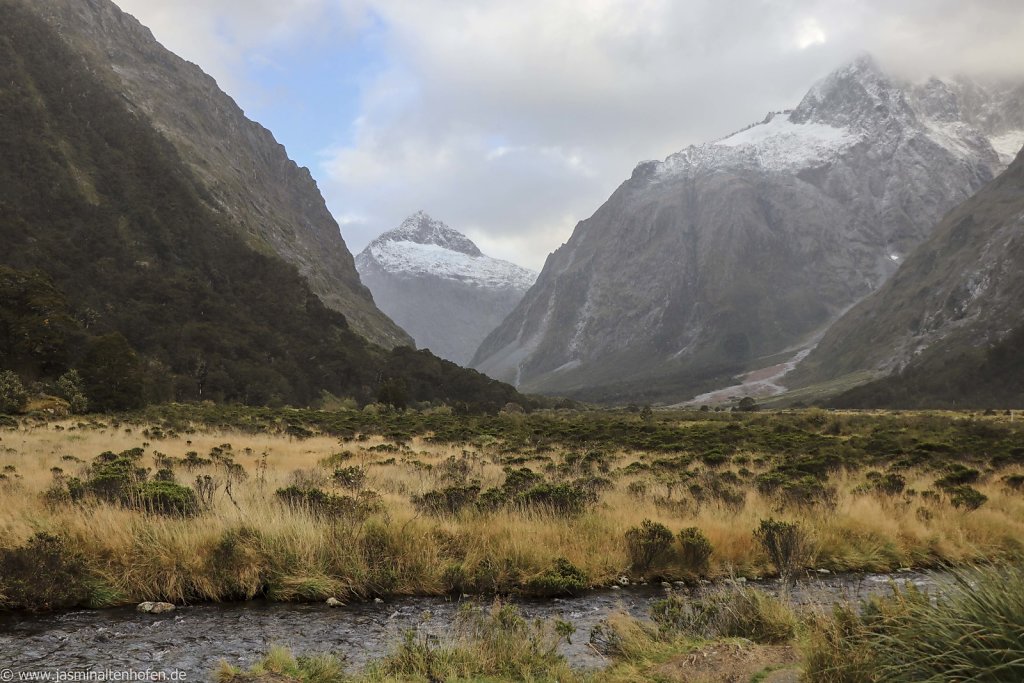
165, 498
447, 501
648, 544
330, 506
787, 545
45, 573
695, 550
563, 578
966, 497
564, 500
352, 478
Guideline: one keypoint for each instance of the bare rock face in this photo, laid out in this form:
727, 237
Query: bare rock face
950, 319
734, 254
435, 283
273, 202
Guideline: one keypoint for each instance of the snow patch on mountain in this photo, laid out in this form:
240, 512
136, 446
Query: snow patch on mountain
1008, 145
404, 257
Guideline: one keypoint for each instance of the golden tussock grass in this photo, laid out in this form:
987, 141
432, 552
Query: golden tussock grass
249, 543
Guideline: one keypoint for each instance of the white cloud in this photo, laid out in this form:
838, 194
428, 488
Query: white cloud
514, 119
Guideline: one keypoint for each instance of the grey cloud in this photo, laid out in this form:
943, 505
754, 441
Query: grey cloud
576, 92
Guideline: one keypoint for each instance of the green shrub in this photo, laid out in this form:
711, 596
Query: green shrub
447, 501
648, 544
564, 500
966, 497
165, 498
71, 387
352, 478
12, 393
520, 480
563, 578
331, 506
787, 546
1014, 482
957, 475
695, 550
45, 573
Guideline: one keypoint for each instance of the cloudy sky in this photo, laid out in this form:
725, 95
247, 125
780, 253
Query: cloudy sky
511, 120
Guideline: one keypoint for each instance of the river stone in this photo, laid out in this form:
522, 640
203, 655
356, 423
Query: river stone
155, 607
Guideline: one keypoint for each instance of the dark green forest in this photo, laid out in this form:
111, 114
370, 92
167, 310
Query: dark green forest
112, 264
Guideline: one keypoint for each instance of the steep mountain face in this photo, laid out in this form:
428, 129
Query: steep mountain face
113, 263
436, 284
949, 325
246, 175
733, 255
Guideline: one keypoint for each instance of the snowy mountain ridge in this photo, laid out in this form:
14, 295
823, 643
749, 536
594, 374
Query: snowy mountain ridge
854, 103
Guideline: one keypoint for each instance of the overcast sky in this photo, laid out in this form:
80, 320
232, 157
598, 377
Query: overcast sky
511, 120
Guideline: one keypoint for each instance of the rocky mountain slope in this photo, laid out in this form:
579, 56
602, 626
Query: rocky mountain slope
246, 175
733, 255
436, 284
114, 264
949, 325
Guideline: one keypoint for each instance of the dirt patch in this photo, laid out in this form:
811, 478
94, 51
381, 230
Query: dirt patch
733, 662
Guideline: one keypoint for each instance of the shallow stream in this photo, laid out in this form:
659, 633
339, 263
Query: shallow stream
193, 639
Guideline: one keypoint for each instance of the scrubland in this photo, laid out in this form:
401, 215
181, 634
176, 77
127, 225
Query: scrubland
189, 503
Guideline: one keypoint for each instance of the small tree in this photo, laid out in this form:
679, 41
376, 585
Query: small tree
12, 392
71, 388
747, 404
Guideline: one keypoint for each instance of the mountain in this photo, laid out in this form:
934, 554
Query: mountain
436, 284
734, 255
948, 328
246, 175
115, 264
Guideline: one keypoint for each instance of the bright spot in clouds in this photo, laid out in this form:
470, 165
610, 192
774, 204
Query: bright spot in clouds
810, 33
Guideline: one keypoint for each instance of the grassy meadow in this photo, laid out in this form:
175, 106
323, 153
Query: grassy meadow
190, 503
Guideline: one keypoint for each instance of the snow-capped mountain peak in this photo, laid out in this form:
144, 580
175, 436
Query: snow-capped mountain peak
435, 283
423, 245
858, 95
421, 228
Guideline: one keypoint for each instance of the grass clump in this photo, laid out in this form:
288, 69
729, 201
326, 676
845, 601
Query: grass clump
973, 632
488, 644
281, 665
729, 613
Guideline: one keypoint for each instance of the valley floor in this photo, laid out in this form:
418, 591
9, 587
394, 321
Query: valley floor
190, 504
